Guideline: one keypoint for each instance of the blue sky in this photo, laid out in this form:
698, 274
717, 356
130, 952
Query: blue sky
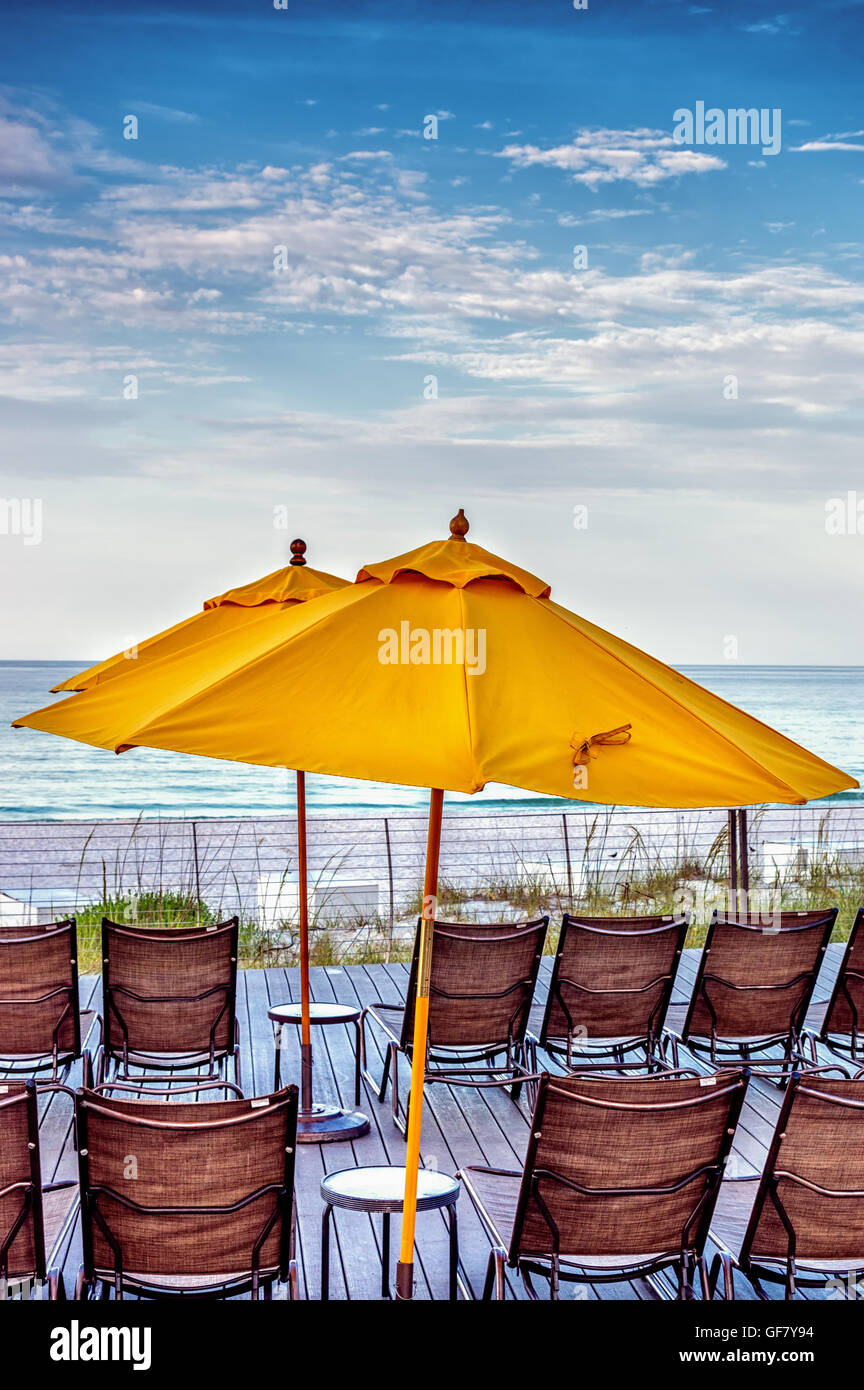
306, 389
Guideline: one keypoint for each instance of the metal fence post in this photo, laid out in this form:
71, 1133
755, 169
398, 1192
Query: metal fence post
390, 879
743, 861
197, 875
569, 866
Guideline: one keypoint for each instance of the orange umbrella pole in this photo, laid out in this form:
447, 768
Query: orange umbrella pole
303, 899
405, 1267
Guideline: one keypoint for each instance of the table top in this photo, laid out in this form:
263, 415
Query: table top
382, 1188
318, 1013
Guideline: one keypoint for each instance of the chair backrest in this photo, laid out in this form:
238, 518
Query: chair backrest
39, 993
757, 979
845, 1010
22, 1241
624, 1165
612, 976
815, 1159
32, 928
481, 984
169, 990
186, 1188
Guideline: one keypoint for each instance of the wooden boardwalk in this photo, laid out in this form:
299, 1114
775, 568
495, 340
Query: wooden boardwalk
461, 1126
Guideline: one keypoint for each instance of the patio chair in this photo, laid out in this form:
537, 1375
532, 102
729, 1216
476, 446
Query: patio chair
9, 929
619, 1181
801, 1224
210, 1211
481, 986
610, 988
169, 998
41, 1025
843, 1013
753, 987
33, 1219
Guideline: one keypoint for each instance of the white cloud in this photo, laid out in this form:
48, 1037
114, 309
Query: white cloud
569, 219
165, 113
842, 140
27, 159
821, 145
595, 157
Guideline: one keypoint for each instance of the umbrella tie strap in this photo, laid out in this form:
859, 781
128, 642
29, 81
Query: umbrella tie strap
612, 737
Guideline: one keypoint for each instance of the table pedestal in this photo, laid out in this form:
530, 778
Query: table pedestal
319, 1123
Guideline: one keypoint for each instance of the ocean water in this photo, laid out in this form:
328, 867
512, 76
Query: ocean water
821, 707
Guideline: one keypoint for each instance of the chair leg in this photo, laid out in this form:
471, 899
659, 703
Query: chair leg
86, 1070
723, 1260
495, 1274
685, 1278
293, 1293
80, 1286
379, 1087
400, 1125
704, 1281
519, 1060
393, 1054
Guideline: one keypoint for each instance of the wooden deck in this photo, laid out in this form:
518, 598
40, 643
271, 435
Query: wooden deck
461, 1126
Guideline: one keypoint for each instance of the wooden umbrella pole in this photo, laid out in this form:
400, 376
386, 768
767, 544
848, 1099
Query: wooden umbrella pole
405, 1266
303, 900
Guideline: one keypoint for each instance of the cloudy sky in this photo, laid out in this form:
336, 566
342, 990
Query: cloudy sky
340, 328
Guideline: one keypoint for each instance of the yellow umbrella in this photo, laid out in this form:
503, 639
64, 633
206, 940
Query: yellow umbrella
450, 668
241, 608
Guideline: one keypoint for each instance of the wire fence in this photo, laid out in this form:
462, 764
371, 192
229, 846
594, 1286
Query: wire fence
366, 872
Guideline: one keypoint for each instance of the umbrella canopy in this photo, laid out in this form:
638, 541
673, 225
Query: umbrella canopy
255, 604
240, 607
482, 678
449, 667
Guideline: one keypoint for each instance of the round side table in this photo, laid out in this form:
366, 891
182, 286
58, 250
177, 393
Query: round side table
322, 1124
382, 1189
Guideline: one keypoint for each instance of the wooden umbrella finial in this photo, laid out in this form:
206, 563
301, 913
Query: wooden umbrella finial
298, 550
459, 526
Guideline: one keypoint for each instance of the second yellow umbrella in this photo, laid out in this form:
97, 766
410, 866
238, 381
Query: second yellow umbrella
238, 610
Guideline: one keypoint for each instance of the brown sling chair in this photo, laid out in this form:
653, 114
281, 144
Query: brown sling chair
169, 1004
753, 987
482, 984
610, 988
842, 1016
801, 1224
33, 1218
41, 1025
183, 1198
619, 1181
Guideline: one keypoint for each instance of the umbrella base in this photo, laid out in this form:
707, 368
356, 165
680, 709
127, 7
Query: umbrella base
327, 1124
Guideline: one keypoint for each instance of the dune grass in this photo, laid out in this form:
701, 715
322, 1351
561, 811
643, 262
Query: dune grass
603, 878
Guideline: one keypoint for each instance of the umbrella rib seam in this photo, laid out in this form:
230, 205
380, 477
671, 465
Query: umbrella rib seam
554, 608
